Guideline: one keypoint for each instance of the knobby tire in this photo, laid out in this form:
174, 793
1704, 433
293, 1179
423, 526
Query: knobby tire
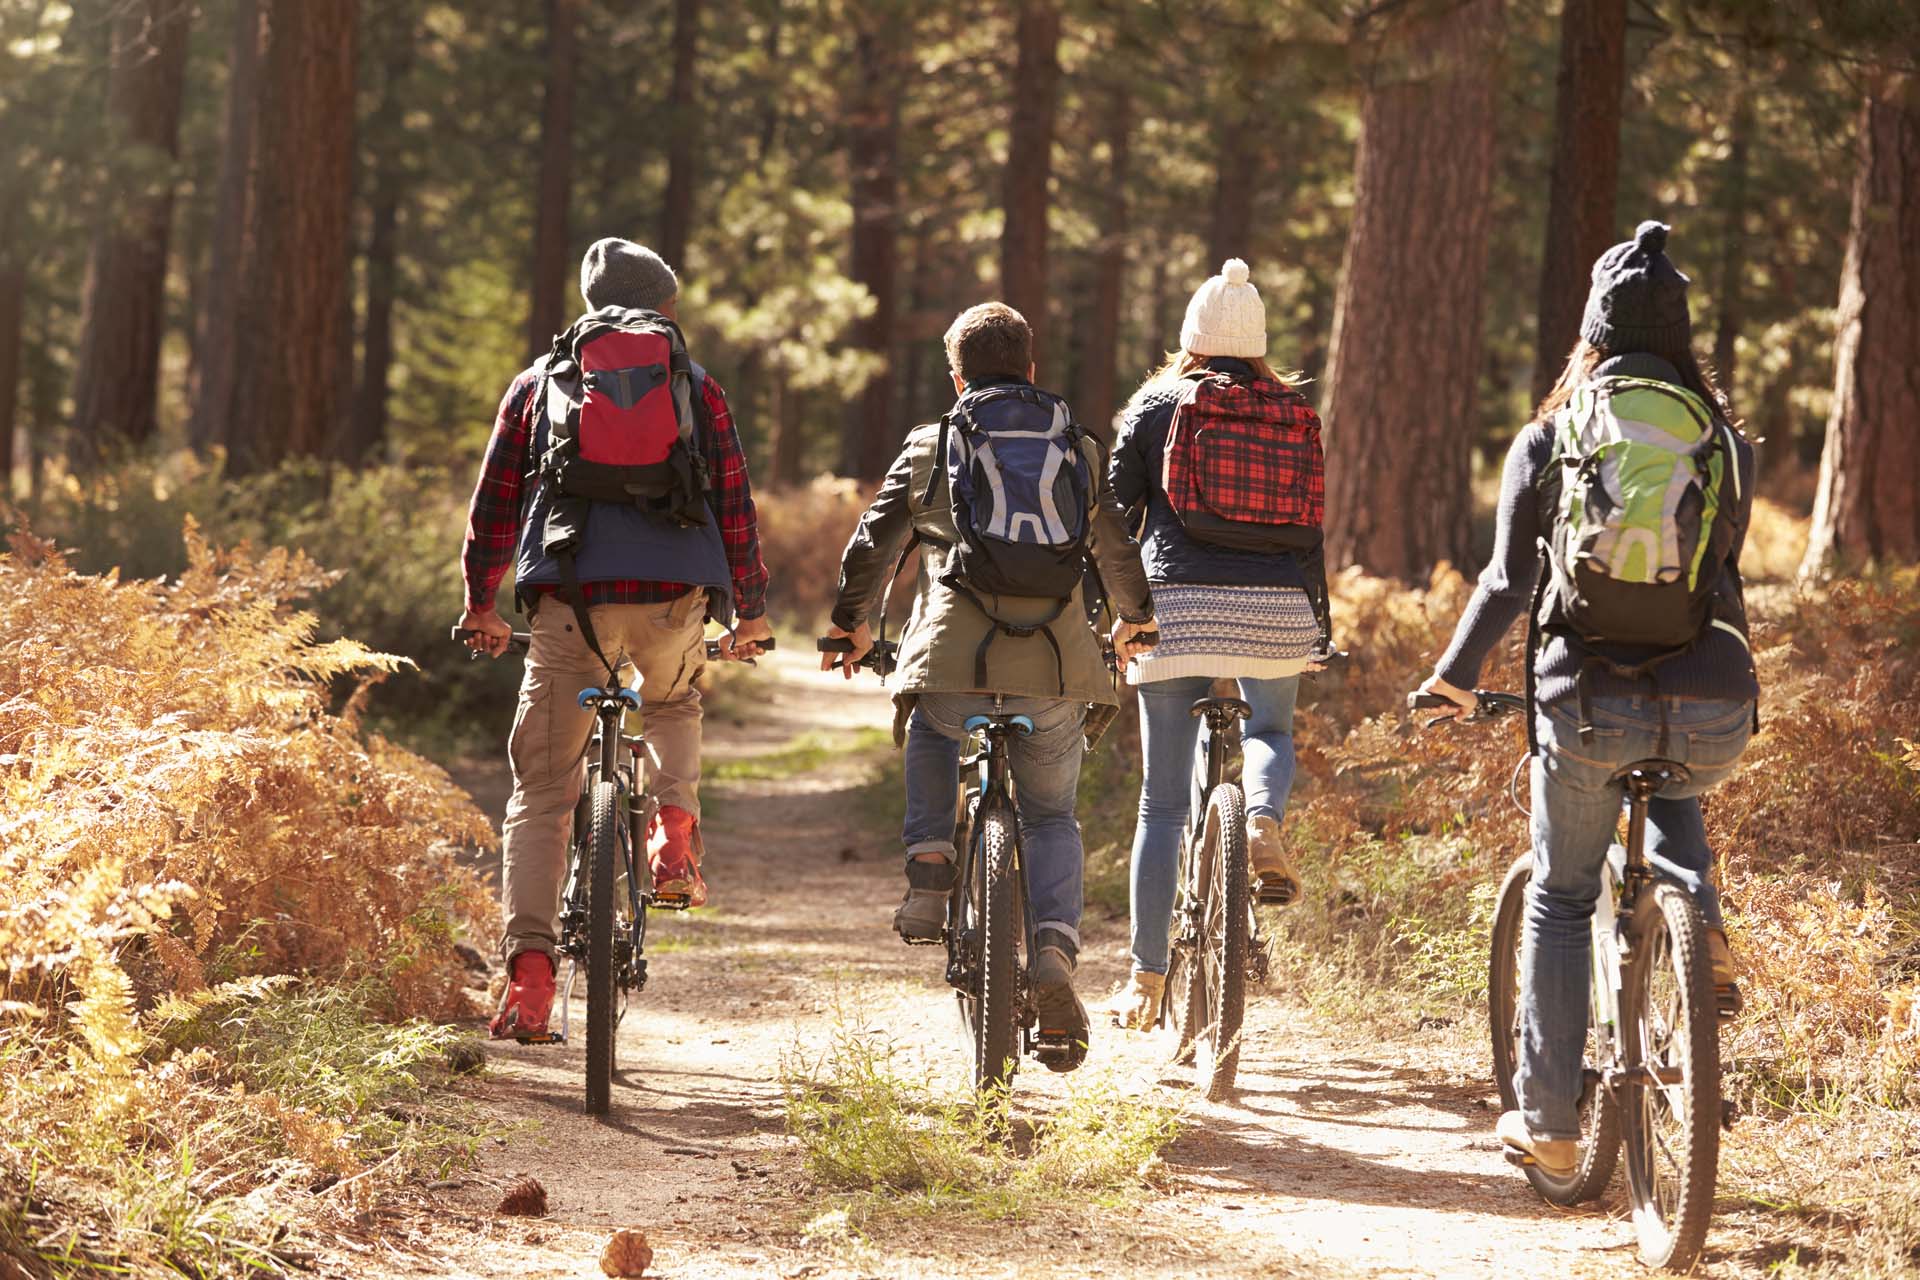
1222, 955
1600, 1117
603, 847
994, 1045
1671, 1022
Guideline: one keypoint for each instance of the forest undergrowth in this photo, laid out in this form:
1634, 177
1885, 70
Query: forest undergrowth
228, 917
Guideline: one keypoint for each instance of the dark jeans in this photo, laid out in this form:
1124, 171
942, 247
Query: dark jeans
1576, 811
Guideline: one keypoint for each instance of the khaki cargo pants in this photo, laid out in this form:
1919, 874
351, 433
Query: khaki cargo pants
665, 643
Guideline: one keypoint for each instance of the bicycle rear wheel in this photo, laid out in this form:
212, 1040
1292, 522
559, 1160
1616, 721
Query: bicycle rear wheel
1222, 955
1671, 1111
994, 907
603, 848
1599, 1117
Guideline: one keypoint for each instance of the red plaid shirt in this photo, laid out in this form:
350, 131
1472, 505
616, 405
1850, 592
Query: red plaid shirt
499, 505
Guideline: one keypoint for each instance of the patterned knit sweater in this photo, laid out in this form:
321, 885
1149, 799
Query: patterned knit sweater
1228, 632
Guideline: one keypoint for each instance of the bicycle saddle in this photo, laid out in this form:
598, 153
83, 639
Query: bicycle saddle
1019, 724
1221, 706
1652, 776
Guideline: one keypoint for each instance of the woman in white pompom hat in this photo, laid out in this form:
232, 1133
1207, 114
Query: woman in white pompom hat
1252, 612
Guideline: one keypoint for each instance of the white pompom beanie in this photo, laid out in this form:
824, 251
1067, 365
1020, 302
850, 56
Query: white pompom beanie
1226, 316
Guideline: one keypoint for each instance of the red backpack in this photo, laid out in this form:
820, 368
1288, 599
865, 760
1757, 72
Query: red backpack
1243, 466
620, 409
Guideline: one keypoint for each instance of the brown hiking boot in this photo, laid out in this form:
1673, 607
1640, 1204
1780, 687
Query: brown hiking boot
1557, 1156
1720, 959
1275, 882
1138, 1007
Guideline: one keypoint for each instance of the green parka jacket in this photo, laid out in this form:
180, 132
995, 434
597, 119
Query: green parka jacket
942, 640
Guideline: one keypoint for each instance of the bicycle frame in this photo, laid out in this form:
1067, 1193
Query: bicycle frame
1212, 755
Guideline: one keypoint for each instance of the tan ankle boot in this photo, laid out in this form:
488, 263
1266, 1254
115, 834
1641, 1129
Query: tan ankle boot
1275, 882
1138, 1007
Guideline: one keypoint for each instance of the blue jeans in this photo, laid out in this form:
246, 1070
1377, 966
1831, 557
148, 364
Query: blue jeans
1170, 785
1046, 780
1576, 810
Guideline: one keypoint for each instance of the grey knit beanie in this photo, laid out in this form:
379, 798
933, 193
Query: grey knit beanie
620, 273
1639, 298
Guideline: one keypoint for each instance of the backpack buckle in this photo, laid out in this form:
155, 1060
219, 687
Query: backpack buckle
1018, 633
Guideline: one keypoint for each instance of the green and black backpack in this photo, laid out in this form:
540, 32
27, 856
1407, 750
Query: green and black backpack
1637, 504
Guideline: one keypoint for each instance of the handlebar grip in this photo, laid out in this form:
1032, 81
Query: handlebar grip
1148, 638
1423, 701
836, 644
766, 646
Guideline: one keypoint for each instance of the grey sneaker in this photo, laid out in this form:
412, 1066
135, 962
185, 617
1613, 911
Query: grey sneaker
922, 917
1062, 1018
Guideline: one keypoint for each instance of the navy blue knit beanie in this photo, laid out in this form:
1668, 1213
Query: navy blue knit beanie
1639, 298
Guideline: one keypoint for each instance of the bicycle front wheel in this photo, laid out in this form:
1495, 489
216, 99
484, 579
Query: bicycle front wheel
602, 849
1221, 957
993, 899
1599, 1117
1670, 1039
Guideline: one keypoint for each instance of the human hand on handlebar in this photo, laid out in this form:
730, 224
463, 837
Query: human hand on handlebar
487, 632
862, 638
1130, 639
1464, 702
745, 642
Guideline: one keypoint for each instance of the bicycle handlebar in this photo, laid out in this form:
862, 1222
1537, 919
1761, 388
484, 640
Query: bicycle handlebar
1488, 705
519, 641
880, 659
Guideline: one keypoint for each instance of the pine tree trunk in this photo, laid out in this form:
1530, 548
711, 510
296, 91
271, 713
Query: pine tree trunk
369, 428
1096, 396
289, 383
1586, 173
1728, 303
1404, 367
551, 260
874, 141
1868, 504
212, 394
117, 382
1036, 94
683, 125
13, 297
787, 436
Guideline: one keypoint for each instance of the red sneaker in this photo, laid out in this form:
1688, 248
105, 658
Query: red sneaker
673, 843
529, 999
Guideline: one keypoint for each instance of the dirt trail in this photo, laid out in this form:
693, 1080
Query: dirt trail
1341, 1155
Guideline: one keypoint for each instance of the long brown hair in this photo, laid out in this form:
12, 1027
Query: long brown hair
1179, 364
1586, 357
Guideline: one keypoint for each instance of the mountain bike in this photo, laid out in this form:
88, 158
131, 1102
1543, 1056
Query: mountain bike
609, 884
989, 935
1651, 1079
1217, 942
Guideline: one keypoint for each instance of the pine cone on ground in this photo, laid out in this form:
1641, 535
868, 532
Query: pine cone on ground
627, 1253
525, 1198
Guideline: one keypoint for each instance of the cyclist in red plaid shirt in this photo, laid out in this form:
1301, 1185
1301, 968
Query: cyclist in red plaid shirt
644, 617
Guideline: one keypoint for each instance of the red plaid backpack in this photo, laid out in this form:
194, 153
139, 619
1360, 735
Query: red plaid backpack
1243, 466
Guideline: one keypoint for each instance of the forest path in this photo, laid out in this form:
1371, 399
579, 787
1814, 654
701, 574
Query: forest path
1342, 1154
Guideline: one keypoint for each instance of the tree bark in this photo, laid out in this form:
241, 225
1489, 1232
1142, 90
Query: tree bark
1728, 303
117, 380
788, 439
1096, 396
369, 428
1404, 367
289, 384
683, 135
1868, 503
874, 142
1586, 173
547, 312
212, 394
13, 297
1036, 95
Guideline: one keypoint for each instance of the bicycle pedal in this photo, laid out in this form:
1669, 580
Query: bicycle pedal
920, 942
1058, 1051
551, 1037
671, 901
1729, 1112
1518, 1159
1728, 1002
1280, 893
